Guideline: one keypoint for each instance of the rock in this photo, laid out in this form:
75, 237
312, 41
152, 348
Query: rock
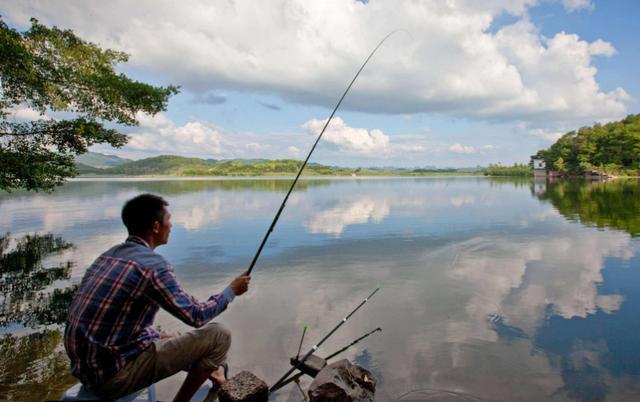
244, 387
343, 382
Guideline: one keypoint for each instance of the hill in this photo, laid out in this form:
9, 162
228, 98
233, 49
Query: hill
100, 161
170, 165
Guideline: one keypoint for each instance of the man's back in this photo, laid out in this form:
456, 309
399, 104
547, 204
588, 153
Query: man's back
113, 348
111, 315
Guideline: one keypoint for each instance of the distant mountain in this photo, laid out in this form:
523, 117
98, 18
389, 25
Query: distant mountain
100, 161
162, 165
249, 161
171, 165
86, 169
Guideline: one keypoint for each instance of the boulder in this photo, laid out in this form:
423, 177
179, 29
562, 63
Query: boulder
244, 387
343, 382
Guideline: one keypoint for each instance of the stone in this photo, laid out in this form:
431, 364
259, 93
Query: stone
244, 387
343, 382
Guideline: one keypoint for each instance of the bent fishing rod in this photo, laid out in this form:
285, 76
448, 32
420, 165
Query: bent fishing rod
275, 219
282, 381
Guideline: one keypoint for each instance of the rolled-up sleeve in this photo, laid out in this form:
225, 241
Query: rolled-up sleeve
167, 292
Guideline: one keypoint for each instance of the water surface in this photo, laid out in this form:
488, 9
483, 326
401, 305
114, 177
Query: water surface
491, 289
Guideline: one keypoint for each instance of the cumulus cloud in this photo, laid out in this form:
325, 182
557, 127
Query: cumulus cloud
158, 134
601, 48
451, 62
349, 139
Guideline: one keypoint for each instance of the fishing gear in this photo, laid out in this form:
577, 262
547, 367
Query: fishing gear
304, 331
334, 354
311, 368
275, 219
300, 363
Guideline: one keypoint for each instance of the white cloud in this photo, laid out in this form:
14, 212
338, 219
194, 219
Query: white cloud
349, 139
450, 62
255, 147
601, 48
157, 134
575, 5
294, 151
550, 136
25, 113
468, 149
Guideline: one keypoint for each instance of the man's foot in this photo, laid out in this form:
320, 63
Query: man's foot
218, 376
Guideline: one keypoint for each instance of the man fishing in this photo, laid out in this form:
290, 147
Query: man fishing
109, 338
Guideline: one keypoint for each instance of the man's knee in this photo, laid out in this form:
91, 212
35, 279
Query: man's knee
219, 336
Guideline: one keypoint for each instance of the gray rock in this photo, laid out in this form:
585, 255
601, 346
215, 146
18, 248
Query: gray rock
244, 387
343, 382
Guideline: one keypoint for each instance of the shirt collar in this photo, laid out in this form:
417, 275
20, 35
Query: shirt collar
138, 240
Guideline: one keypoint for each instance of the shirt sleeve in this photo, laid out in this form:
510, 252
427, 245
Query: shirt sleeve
167, 292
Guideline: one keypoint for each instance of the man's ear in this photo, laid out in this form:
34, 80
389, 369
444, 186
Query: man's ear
156, 227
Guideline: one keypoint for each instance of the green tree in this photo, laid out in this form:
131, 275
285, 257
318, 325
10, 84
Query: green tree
53, 70
613, 148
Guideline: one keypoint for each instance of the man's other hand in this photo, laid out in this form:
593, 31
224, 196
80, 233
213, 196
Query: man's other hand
240, 284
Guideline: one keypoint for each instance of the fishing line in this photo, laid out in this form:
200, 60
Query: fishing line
275, 219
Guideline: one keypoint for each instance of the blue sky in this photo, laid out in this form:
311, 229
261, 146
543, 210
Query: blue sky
466, 83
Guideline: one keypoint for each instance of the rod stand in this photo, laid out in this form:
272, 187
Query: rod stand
311, 366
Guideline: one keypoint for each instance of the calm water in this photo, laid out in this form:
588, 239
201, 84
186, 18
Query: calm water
491, 289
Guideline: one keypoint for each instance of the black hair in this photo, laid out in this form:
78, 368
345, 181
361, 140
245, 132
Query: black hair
139, 213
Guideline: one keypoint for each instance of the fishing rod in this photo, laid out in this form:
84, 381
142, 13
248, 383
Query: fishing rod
315, 347
295, 378
275, 219
334, 354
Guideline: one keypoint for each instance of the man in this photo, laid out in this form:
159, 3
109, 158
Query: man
113, 348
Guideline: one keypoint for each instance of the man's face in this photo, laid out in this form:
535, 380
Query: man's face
164, 227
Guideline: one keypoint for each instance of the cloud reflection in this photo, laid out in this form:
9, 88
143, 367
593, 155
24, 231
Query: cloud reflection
350, 212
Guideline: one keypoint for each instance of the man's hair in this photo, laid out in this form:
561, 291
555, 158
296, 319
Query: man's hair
139, 213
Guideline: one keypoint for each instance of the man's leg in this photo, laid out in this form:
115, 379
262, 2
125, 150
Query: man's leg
209, 344
199, 351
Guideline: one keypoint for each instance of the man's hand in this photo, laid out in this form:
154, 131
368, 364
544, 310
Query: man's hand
240, 284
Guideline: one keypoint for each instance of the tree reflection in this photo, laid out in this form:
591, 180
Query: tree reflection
34, 367
24, 277
613, 204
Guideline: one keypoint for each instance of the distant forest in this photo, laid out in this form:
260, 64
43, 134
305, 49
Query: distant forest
171, 165
613, 148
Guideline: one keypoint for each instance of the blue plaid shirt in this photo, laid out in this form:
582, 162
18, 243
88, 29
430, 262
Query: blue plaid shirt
110, 318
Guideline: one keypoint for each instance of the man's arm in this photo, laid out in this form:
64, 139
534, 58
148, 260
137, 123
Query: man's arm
167, 292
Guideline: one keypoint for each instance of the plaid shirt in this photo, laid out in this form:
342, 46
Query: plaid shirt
110, 318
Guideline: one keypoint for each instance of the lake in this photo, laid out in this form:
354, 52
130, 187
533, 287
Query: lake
491, 289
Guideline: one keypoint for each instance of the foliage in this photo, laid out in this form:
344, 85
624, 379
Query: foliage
613, 148
169, 165
517, 169
49, 69
613, 204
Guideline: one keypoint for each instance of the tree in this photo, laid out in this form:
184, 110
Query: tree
53, 70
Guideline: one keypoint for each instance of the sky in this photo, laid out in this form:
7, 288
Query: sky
461, 83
